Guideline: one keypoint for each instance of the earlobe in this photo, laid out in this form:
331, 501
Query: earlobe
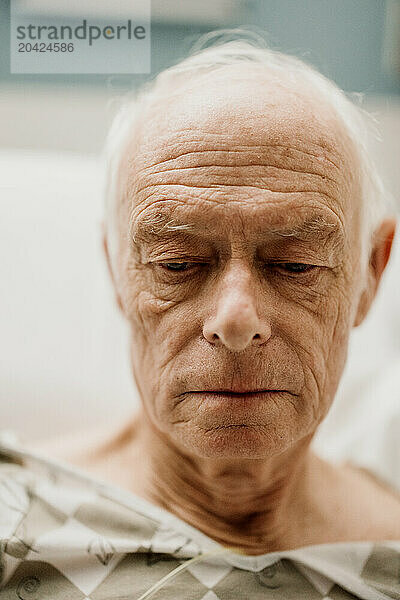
379, 258
109, 267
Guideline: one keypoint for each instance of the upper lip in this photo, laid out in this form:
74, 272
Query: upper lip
238, 390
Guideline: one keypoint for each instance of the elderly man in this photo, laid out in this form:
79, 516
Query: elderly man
245, 237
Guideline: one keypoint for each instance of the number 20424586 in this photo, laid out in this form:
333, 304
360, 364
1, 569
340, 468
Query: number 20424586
43, 47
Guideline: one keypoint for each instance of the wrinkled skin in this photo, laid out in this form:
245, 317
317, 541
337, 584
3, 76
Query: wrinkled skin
258, 290
234, 316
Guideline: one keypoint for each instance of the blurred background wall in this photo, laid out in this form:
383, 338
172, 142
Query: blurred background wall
60, 342
354, 42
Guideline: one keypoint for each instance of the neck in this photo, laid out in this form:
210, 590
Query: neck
256, 506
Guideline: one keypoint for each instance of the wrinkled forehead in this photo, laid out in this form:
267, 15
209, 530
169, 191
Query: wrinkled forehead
235, 131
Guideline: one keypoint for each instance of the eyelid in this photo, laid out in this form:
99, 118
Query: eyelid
181, 261
291, 262
192, 264
167, 267
309, 267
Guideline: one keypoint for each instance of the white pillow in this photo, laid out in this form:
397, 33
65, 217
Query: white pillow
64, 354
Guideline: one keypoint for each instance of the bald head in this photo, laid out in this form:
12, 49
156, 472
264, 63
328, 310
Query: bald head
246, 130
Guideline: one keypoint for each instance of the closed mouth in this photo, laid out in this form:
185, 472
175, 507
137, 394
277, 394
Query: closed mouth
237, 393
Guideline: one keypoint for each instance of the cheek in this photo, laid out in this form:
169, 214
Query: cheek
160, 316
319, 335
142, 307
146, 316
160, 330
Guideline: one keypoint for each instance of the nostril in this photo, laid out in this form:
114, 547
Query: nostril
236, 335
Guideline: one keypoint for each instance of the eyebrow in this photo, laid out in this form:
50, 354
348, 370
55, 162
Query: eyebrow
156, 225
161, 224
312, 227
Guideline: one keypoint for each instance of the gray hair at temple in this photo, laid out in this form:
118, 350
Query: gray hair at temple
226, 52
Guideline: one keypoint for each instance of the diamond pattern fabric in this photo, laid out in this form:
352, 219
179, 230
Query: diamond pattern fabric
65, 535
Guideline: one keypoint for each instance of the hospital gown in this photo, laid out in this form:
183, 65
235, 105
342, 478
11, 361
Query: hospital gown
66, 535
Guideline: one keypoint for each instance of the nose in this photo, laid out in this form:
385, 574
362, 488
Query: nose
236, 323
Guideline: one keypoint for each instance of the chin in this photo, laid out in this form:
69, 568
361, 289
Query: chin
235, 441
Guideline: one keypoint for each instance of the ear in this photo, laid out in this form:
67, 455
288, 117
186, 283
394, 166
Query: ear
108, 260
379, 257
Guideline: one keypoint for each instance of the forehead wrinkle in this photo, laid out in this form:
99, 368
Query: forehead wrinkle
264, 177
167, 155
244, 164
224, 118
296, 161
275, 168
221, 195
169, 198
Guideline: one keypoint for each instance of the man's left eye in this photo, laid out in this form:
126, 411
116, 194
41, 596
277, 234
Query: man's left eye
176, 266
294, 267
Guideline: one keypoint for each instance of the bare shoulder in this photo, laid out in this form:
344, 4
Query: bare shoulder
376, 502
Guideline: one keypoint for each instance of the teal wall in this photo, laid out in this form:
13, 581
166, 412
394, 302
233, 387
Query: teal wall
343, 38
